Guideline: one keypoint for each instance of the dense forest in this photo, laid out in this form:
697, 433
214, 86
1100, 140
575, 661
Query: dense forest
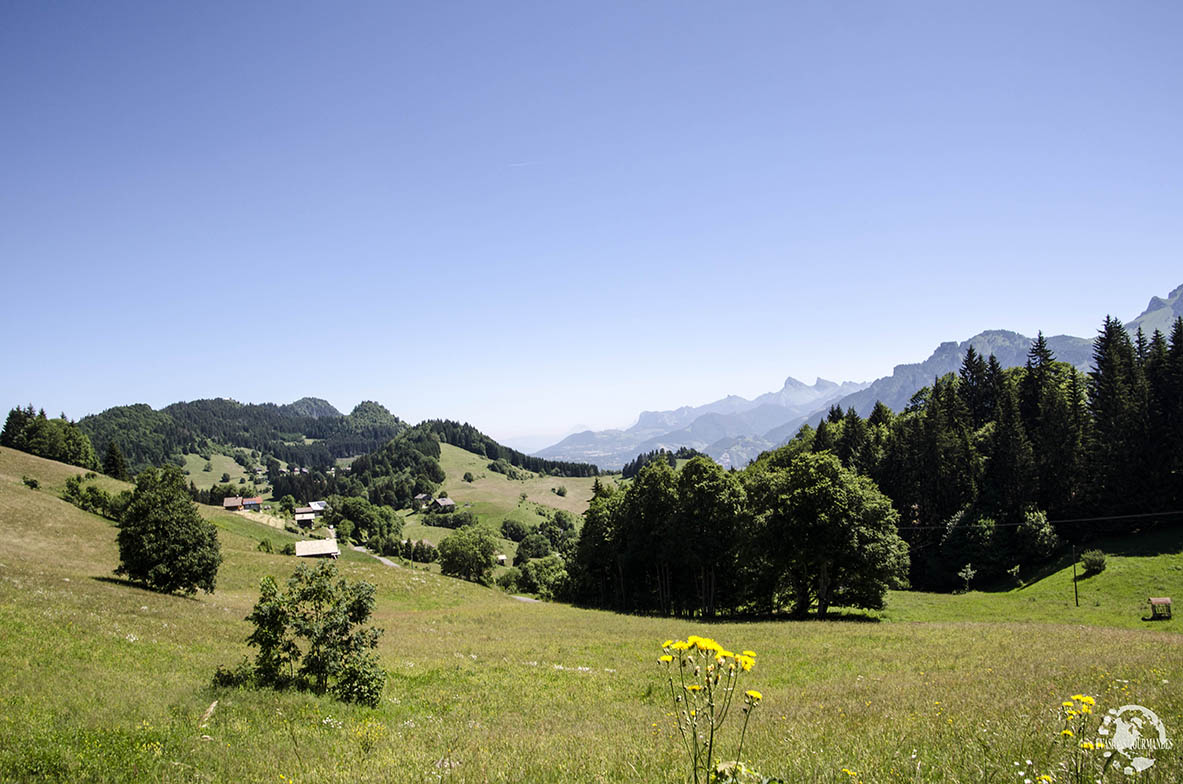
980, 479
391, 475
469, 438
301, 433
672, 457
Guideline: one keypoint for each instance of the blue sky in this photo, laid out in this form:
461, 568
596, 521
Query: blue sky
536, 215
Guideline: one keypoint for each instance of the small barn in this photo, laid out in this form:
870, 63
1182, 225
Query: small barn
318, 507
443, 504
232, 504
318, 548
1160, 608
253, 504
305, 519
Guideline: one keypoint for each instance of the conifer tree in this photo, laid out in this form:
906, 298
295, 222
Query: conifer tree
113, 463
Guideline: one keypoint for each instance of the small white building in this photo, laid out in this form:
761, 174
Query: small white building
318, 548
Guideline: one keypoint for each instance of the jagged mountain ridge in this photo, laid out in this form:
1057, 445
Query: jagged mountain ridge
726, 430
700, 426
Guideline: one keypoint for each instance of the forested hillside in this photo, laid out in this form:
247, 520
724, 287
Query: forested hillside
977, 481
308, 432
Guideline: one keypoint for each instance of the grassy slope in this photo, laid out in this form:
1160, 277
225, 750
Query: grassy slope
221, 465
104, 681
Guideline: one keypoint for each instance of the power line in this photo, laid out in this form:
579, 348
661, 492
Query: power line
1053, 522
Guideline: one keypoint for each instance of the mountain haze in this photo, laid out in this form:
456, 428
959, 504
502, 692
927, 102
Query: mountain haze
734, 430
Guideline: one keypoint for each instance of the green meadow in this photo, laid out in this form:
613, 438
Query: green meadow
104, 681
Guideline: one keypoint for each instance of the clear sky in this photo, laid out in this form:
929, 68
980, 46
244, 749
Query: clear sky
536, 215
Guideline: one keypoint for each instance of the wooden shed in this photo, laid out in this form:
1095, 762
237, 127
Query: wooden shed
1160, 608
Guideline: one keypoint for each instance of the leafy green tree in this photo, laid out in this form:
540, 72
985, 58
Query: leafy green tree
163, 541
543, 576
829, 533
513, 530
535, 545
710, 502
313, 635
469, 553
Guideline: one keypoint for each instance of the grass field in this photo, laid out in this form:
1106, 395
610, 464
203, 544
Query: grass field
495, 497
103, 681
222, 464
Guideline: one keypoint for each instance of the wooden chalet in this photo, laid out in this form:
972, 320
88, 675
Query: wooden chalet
232, 504
318, 548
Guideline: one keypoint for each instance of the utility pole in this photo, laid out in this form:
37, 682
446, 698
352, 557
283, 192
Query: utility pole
1075, 588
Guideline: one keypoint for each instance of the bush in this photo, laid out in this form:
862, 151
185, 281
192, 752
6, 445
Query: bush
265, 546
468, 477
30, 483
1093, 561
543, 576
561, 491
469, 553
508, 580
163, 542
312, 636
513, 530
289, 548
533, 546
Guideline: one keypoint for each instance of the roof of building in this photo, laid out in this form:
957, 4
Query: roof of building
318, 547
445, 502
422, 496
303, 510
256, 500
318, 506
232, 501
1160, 600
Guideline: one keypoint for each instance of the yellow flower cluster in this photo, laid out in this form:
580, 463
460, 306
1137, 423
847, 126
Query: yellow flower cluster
744, 661
1078, 705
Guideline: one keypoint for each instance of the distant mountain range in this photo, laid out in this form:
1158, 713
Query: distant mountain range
735, 430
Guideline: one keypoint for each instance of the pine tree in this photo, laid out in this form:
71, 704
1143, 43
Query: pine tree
113, 463
973, 387
1118, 432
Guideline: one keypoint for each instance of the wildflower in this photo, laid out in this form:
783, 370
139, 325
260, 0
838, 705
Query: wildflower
755, 695
1067, 703
694, 687
667, 643
751, 654
1086, 745
667, 658
1068, 733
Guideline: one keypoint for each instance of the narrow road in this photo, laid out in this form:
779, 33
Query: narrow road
384, 560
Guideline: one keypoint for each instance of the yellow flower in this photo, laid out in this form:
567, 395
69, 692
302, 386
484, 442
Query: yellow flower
667, 643
1067, 704
755, 695
1088, 700
1068, 733
1086, 745
681, 645
745, 661
667, 658
694, 687
750, 653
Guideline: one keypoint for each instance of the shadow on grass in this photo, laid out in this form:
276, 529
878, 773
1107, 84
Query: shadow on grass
124, 583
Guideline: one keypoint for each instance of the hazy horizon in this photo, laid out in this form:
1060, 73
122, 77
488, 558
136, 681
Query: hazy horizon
531, 217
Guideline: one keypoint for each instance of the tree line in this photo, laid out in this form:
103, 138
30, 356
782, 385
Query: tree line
672, 457
966, 483
469, 438
54, 439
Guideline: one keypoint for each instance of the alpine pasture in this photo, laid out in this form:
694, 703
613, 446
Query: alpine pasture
104, 681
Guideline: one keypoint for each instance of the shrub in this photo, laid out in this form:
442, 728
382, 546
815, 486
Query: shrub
468, 477
312, 636
1093, 561
509, 580
265, 546
163, 542
966, 575
289, 548
533, 546
543, 576
30, 483
561, 491
513, 530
